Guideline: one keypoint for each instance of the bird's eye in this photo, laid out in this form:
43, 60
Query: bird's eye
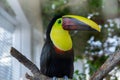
59, 21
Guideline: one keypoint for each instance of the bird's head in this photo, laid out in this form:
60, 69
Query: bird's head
60, 27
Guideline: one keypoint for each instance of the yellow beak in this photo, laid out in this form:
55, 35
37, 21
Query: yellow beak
74, 22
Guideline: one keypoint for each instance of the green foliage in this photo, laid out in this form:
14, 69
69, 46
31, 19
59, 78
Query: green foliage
95, 5
79, 76
116, 30
96, 62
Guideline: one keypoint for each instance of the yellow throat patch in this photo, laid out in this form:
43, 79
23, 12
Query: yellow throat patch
60, 37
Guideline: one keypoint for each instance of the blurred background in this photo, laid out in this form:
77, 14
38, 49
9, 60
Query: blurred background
23, 25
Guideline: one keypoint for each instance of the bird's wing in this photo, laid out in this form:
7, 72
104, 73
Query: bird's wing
45, 57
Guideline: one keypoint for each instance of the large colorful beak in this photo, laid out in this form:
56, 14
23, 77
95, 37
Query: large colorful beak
73, 22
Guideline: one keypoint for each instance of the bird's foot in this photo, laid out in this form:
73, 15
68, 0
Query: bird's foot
65, 78
54, 78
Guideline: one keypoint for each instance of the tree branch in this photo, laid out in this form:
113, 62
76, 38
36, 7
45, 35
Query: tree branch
32, 67
109, 64
26, 62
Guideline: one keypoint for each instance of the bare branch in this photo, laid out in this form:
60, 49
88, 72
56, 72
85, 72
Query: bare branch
109, 64
26, 62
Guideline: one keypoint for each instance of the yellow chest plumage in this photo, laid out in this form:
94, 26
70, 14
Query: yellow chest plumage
60, 38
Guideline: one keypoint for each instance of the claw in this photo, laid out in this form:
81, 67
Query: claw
54, 78
65, 78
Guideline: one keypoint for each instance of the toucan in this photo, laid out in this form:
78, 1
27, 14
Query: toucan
57, 55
